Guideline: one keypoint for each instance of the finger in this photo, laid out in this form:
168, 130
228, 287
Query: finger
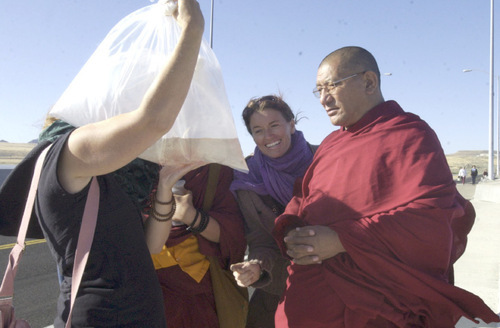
307, 260
248, 279
304, 232
295, 241
241, 284
186, 168
175, 14
300, 251
237, 277
237, 267
304, 249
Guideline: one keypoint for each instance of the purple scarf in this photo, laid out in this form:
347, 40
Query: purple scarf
275, 176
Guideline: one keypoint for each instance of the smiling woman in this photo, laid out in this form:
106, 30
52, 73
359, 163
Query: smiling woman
281, 156
271, 123
271, 132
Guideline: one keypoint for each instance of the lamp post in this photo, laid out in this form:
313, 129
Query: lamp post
212, 24
491, 124
491, 117
491, 175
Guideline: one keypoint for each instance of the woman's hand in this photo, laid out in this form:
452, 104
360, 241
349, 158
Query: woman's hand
188, 14
246, 273
169, 175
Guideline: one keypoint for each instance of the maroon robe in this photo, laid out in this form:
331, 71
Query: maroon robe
188, 303
385, 187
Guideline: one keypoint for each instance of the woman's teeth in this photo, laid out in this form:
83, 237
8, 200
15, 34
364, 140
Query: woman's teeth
273, 144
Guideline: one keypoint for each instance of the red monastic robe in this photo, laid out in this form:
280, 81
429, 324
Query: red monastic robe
188, 303
385, 187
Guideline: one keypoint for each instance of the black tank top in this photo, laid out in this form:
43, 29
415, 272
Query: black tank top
119, 287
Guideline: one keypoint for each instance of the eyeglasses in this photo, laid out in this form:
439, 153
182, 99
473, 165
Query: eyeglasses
330, 88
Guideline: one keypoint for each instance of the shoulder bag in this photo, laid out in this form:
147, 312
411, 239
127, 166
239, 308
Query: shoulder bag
231, 300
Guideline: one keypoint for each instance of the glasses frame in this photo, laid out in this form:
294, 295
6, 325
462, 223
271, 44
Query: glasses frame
332, 86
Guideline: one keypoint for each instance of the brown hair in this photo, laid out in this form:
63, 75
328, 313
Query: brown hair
267, 102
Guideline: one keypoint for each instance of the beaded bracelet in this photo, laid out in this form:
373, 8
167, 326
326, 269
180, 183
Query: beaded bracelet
203, 224
191, 226
164, 217
164, 203
160, 220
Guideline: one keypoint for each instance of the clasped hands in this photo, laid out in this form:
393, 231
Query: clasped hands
312, 244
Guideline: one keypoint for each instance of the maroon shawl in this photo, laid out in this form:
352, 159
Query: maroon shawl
187, 303
385, 187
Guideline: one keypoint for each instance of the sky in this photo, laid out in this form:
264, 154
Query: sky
273, 47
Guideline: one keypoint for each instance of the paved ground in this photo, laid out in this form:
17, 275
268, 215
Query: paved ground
478, 269
467, 190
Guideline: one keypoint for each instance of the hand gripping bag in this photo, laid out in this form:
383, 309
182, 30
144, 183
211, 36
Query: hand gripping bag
119, 72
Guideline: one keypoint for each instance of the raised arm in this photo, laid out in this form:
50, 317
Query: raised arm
103, 147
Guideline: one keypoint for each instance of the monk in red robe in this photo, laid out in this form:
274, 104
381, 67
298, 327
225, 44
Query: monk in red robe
193, 235
375, 227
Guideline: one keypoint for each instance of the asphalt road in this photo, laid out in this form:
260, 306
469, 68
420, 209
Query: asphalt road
36, 286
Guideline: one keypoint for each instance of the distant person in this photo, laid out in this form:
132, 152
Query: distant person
462, 174
473, 174
371, 235
281, 156
189, 235
119, 287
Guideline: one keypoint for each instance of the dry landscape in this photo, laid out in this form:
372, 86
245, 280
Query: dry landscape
12, 153
468, 158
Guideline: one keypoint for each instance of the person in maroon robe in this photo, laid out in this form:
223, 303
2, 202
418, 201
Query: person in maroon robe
375, 227
190, 235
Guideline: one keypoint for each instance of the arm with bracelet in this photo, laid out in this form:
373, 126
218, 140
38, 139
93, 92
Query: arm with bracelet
163, 206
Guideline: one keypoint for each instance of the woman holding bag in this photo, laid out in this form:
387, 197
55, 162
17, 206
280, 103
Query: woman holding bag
113, 292
281, 157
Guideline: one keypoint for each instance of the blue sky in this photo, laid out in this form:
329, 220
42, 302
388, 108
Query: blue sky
267, 47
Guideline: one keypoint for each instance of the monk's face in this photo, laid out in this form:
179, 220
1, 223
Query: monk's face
271, 132
344, 104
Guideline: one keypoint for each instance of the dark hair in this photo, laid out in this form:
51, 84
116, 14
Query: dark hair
267, 102
354, 59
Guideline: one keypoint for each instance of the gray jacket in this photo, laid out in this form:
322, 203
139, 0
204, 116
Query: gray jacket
259, 223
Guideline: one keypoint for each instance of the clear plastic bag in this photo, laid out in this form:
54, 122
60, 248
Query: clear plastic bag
118, 74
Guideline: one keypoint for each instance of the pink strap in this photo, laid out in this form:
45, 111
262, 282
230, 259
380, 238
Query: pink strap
85, 239
7, 288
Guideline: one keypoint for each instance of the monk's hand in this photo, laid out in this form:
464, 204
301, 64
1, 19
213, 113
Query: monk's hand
246, 273
312, 244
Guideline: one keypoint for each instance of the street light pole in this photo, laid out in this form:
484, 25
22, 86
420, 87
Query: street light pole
212, 25
467, 70
498, 127
491, 175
